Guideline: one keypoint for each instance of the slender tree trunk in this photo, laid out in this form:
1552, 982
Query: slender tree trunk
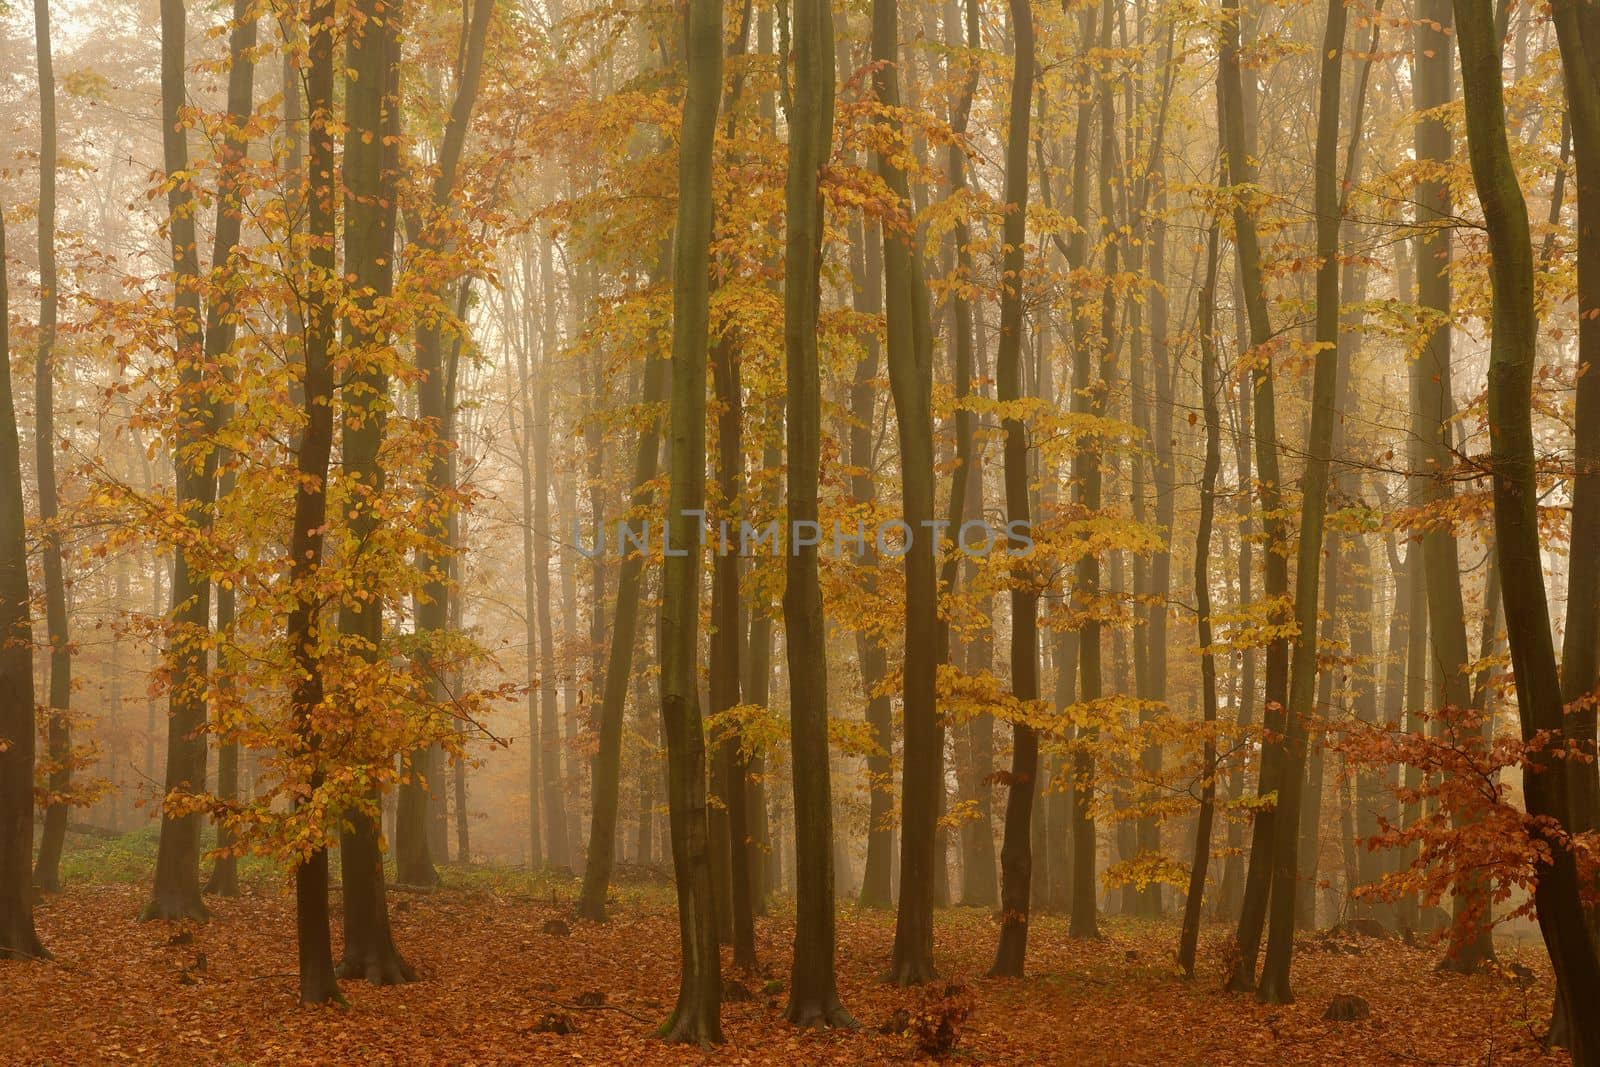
910, 356
1512, 352
224, 880
866, 260
978, 867
1088, 399
730, 770
619, 662
1432, 411
1190, 935
307, 694
813, 995
523, 418
17, 937
1241, 172
1016, 854
176, 893
1275, 988
1231, 892
371, 165
557, 851
219, 337
696, 1017
1578, 37
58, 722
414, 859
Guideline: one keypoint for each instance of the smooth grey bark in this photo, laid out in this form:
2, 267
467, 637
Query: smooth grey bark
978, 865
813, 993
18, 939
910, 362
176, 892
1275, 983
1189, 935
1016, 857
554, 799
1087, 399
58, 722
414, 852
307, 691
1512, 355
371, 173
695, 1018
619, 661
1237, 139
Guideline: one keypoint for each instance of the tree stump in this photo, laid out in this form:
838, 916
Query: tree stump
1347, 1007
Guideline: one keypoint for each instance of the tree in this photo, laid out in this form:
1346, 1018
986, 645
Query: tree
813, 996
1433, 408
1578, 38
1189, 936
978, 867
1247, 246
619, 660
318, 983
17, 936
695, 1018
176, 893
58, 723
1015, 855
413, 857
1512, 350
1086, 400
553, 802
371, 165
220, 333
910, 363
522, 419
1313, 516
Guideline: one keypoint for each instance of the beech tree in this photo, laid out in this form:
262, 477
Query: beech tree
17, 937
696, 1017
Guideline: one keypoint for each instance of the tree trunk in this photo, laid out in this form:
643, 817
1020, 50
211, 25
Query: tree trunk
910, 359
1231, 893
978, 867
1190, 935
550, 747
307, 694
1237, 137
17, 937
1275, 987
523, 417
219, 337
1016, 856
619, 661
414, 858
1512, 352
1087, 399
813, 996
371, 170
1578, 37
1432, 410
866, 261
58, 723
730, 771
696, 1017
176, 893
224, 880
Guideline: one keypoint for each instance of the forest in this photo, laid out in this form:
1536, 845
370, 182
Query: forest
795, 531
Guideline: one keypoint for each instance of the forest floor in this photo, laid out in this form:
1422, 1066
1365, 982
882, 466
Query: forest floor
492, 971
